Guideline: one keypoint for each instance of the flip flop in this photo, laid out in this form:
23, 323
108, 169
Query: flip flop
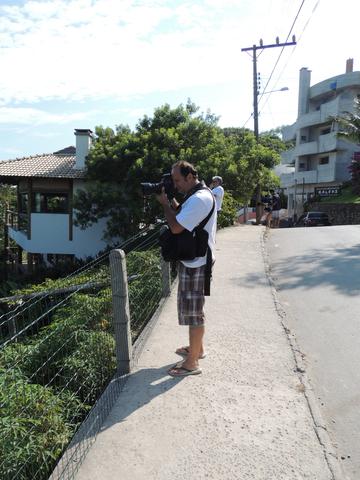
176, 371
184, 352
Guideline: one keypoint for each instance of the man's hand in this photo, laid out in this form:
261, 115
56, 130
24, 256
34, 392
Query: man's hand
169, 212
162, 198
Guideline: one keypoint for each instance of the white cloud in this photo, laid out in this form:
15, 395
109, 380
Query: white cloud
33, 116
81, 49
93, 49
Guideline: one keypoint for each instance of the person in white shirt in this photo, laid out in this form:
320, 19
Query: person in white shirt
218, 191
197, 205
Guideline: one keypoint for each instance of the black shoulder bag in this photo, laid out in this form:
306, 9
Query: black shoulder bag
188, 245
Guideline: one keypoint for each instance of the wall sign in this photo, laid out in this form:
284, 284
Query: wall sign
328, 191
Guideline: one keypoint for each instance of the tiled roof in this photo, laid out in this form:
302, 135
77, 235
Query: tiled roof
60, 164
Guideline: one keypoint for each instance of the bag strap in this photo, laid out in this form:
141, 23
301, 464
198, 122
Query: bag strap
204, 222
209, 259
208, 272
198, 187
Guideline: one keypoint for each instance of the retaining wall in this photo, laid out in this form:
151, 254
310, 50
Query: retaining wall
339, 214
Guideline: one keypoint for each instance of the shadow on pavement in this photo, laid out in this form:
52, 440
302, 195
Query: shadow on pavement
140, 389
339, 269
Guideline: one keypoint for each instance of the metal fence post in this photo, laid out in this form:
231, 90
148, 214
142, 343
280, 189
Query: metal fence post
165, 278
121, 311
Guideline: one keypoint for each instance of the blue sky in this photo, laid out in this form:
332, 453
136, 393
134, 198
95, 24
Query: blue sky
69, 64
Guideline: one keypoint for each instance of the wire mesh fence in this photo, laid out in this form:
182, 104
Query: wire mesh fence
57, 356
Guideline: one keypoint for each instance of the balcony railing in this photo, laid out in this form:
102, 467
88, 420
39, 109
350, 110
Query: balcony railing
306, 176
327, 142
287, 179
307, 148
17, 221
288, 157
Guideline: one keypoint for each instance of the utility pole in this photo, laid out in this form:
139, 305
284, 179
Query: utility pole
254, 49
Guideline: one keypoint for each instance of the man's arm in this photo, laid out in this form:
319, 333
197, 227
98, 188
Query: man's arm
170, 213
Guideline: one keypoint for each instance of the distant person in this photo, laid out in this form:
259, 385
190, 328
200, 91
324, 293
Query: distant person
218, 191
267, 202
275, 209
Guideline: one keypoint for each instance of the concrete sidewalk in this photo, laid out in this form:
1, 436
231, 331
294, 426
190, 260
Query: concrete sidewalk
248, 416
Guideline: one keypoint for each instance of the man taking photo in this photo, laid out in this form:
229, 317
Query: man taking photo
196, 206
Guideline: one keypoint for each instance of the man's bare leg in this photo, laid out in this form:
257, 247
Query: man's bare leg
268, 220
196, 335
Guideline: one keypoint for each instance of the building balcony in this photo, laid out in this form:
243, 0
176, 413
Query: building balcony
306, 176
287, 180
326, 173
325, 143
288, 157
18, 222
323, 174
341, 82
306, 148
308, 119
323, 115
289, 132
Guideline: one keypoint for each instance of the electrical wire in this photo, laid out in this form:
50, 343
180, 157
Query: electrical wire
291, 53
281, 52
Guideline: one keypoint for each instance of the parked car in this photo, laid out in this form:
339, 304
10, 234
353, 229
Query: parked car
316, 219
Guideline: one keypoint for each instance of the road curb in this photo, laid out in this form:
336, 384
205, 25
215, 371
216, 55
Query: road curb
321, 431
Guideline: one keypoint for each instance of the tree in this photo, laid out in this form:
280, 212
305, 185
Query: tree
250, 162
349, 123
349, 129
119, 161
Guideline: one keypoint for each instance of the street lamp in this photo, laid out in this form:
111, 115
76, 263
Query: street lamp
282, 89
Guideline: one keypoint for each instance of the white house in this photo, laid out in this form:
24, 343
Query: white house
318, 164
43, 224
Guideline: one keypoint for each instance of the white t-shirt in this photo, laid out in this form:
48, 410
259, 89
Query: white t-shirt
219, 195
193, 211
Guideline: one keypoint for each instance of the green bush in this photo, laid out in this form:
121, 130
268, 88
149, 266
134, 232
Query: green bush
49, 381
35, 427
227, 215
40, 358
145, 287
90, 367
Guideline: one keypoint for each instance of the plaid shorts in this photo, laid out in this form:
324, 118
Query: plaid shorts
191, 296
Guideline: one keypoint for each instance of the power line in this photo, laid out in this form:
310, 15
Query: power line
281, 52
292, 51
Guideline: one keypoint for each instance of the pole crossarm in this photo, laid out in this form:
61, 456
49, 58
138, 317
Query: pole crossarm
272, 45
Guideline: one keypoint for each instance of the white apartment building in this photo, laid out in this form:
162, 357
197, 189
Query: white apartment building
318, 164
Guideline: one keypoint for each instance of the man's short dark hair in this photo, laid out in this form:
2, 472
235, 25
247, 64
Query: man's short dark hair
185, 168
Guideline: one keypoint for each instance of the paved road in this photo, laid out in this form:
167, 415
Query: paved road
245, 418
317, 274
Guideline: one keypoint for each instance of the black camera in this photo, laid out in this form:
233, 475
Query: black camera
156, 188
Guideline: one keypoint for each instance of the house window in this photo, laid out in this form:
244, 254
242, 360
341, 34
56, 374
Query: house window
303, 138
324, 160
50, 202
24, 200
325, 131
301, 166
